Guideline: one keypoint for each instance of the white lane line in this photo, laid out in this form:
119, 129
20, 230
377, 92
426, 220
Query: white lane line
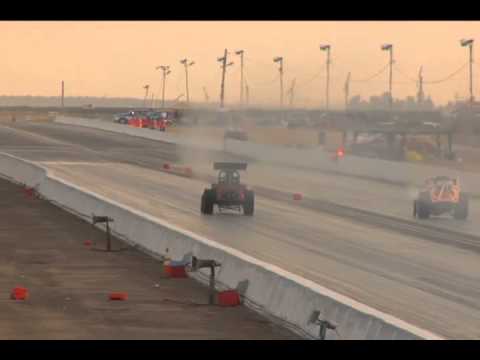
74, 163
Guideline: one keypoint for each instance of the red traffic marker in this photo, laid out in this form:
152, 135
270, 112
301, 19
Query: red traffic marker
166, 166
297, 196
88, 243
29, 192
19, 293
118, 296
173, 271
228, 298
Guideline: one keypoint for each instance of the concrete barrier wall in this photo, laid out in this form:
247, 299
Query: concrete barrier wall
20, 171
141, 132
272, 291
391, 171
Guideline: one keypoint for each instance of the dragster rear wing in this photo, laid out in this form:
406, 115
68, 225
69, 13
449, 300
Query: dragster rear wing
229, 166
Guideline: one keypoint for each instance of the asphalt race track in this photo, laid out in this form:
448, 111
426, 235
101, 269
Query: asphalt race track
430, 284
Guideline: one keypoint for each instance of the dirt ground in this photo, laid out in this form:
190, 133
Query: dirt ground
43, 249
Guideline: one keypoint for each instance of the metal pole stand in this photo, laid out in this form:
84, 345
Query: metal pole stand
212, 264
107, 220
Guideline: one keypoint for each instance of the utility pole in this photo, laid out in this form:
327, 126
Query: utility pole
279, 59
327, 49
241, 52
165, 71
146, 87
207, 99
420, 95
347, 91
291, 93
63, 93
469, 43
389, 47
224, 65
247, 95
187, 65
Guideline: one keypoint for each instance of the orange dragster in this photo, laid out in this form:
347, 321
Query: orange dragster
441, 195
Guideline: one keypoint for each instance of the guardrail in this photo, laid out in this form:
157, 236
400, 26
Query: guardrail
273, 291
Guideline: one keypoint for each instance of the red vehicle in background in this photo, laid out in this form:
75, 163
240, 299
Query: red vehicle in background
139, 122
159, 120
155, 120
158, 124
140, 119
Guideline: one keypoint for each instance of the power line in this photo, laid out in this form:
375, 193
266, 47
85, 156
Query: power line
376, 82
314, 77
268, 82
397, 69
374, 75
269, 65
448, 77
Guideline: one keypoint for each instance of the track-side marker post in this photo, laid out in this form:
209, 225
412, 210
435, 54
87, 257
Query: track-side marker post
107, 220
324, 324
212, 264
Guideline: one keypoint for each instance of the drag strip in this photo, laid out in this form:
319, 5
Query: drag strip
371, 197
433, 285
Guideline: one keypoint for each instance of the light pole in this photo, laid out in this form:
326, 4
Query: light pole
420, 94
347, 91
241, 52
146, 87
224, 65
327, 49
165, 70
187, 65
205, 93
291, 93
389, 47
279, 59
469, 43
63, 93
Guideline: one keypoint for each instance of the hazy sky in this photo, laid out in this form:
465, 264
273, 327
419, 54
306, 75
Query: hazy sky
117, 59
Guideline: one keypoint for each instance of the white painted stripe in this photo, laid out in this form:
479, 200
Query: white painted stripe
74, 163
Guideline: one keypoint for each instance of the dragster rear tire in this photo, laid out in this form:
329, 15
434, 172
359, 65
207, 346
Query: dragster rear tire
249, 204
461, 209
423, 206
206, 206
209, 201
